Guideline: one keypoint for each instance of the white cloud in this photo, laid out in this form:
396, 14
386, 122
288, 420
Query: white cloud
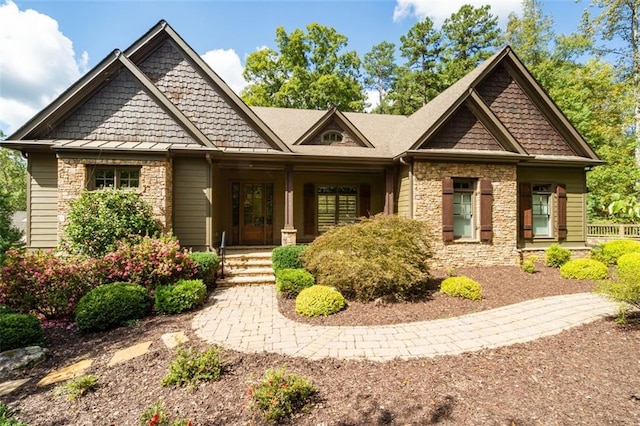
439, 10
373, 99
37, 62
226, 63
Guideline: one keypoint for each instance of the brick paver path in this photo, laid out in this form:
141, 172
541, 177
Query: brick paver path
247, 319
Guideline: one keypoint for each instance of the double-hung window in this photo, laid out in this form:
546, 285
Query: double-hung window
541, 210
113, 177
463, 206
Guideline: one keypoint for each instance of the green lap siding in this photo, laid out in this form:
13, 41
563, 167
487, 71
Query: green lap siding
42, 222
191, 202
404, 192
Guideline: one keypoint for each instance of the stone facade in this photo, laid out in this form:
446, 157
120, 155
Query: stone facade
502, 250
156, 183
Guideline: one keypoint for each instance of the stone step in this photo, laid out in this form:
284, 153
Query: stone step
230, 281
242, 271
246, 262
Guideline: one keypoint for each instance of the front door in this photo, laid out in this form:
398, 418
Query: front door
256, 213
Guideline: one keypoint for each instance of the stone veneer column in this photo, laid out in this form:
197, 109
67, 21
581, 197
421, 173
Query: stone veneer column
156, 183
502, 250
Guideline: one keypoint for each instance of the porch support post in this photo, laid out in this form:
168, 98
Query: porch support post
389, 193
289, 233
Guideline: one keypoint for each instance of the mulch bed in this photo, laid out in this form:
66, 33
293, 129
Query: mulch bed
589, 375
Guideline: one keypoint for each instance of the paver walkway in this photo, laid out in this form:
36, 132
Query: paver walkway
247, 319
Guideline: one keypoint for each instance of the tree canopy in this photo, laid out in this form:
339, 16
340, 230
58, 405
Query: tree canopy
13, 178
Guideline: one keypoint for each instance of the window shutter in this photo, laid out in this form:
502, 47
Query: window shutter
365, 199
561, 192
526, 211
486, 206
447, 209
309, 209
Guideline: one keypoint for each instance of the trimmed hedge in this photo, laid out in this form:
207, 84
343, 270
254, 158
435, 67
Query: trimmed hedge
19, 331
584, 269
556, 256
112, 305
287, 257
319, 300
629, 266
461, 287
183, 296
207, 263
609, 252
290, 282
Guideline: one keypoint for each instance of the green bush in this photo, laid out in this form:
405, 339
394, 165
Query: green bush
556, 256
19, 331
9, 236
629, 265
184, 296
529, 266
287, 257
112, 305
319, 300
157, 415
382, 256
207, 263
77, 387
462, 287
99, 220
4, 309
625, 290
279, 395
609, 252
6, 419
290, 282
191, 367
584, 269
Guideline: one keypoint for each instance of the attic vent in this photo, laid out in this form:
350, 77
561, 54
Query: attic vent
331, 137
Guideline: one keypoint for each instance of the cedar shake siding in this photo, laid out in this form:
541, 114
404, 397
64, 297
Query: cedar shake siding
463, 131
347, 138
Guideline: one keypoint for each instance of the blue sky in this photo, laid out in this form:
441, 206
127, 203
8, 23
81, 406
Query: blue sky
47, 45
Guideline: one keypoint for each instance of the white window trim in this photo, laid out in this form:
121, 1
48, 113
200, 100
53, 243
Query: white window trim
475, 205
552, 215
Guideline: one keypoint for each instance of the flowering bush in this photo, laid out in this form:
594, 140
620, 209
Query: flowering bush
44, 283
150, 262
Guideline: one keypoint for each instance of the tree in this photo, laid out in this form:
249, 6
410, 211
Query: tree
381, 70
470, 36
13, 177
531, 34
308, 70
620, 19
9, 235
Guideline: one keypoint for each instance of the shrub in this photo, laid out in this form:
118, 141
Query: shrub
385, 255
76, 387
289, 282
629, 266
287, 257
44, 283
556, 256
99, 220
19, 331
4, 309
609, 252
112, 305
279, 395
157, 415
462, 287
191, 367
149, 262
207, 263
529, 266
625, 290
6, 419
185, 295
584, 269
9, 236
319, 300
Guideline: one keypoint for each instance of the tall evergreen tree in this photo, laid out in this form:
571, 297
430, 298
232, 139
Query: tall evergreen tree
381, 71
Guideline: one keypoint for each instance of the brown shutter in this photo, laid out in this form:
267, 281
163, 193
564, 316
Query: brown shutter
309, 209
486, 203
365, 199
561, 192
526, 211
447, 209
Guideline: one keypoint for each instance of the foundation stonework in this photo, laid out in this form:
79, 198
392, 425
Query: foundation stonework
288, 237
156, 183
502, 250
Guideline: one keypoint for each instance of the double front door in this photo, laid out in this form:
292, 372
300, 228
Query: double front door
252, 212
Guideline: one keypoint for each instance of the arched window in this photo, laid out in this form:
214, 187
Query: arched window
331, 137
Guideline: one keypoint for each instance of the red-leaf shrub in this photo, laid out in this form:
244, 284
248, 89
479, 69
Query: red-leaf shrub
45, 283
150, 263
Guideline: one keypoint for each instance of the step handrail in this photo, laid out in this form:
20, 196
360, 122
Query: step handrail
221, 253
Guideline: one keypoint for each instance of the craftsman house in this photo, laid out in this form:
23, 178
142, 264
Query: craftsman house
491, 164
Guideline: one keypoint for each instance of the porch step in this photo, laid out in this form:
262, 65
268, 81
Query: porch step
247, 266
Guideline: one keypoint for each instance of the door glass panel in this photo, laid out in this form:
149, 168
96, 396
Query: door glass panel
269, 201
253, 205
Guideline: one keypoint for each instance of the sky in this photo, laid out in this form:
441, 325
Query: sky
46, 45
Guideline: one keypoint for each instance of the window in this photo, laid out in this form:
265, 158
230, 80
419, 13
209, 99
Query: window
336, 204
113, 177
331, 137
541, 210
463, 191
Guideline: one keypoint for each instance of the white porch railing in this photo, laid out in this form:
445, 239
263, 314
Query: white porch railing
613, 231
